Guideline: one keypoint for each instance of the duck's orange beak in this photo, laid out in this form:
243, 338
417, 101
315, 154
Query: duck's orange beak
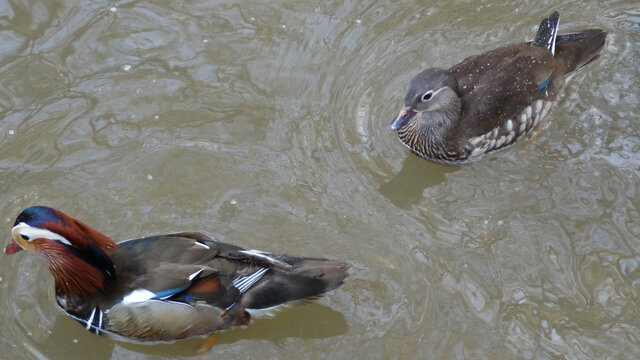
12, 248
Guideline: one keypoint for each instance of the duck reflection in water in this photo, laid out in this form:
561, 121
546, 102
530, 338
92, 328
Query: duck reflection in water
405, 188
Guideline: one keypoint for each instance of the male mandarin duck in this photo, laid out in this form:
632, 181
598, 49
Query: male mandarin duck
489, 101
165, 287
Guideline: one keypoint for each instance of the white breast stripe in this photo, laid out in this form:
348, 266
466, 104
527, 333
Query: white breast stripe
99, 330
90, 320
99, 322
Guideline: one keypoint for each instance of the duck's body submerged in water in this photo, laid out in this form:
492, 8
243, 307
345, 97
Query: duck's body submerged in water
166, 287
490, 101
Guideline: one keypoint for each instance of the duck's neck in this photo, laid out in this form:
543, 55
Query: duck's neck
82, 273
426, 134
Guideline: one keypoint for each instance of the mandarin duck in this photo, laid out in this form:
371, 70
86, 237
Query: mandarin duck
490, 101
165, 287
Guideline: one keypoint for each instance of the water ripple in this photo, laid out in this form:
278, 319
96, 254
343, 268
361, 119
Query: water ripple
266, 125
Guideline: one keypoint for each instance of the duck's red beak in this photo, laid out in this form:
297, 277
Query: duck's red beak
12, 248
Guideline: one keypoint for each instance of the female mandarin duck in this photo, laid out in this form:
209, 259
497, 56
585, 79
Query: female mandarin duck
164, 287
489, 101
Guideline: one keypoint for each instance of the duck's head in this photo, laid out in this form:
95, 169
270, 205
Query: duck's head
77, 255
38, 226
433, 90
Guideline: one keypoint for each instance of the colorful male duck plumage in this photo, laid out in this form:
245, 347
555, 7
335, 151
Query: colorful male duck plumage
165, 287
489, 101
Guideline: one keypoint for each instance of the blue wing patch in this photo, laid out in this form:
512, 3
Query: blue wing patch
545, 83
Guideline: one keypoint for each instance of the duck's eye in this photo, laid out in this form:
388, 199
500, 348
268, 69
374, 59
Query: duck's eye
427, 96
26, 237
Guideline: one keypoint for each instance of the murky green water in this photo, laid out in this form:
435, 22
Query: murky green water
266, 125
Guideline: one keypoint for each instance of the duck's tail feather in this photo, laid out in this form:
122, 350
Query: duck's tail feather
547, 31
307, 278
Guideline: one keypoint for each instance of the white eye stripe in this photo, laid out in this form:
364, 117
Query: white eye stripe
433, 93
30, 233
441, 89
